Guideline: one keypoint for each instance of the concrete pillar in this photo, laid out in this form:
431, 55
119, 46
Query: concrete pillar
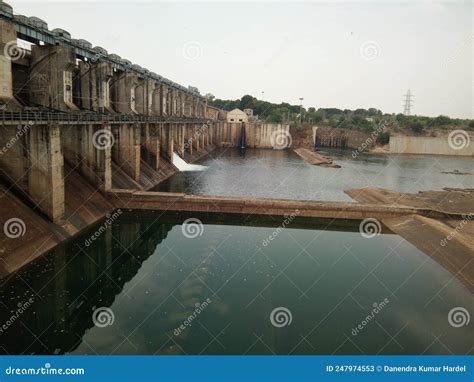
46, 174
177, 108
194, 107
182, 105
8, 54
204, 107
174, 102
210, 128
151, 143
187, 105
188, 133
175, 137
202, 138
127, 148
33, 163
166, 140
86, 85
123, 90
195, 137
51, 77
181, 128
104, 75
169, 101
165, 109
93, 83
150, 90
157, 100
144, 96
88, 148
140, 97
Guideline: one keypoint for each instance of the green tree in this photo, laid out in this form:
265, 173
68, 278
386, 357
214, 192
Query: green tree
247, 102
441, 120
417, 126
383, 138
274, 118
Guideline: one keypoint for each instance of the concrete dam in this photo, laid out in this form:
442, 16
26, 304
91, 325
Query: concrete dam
78, 122
86, 133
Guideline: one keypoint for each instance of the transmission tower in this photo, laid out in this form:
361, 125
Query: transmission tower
408, 103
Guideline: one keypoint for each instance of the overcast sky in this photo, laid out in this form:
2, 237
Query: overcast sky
334, 54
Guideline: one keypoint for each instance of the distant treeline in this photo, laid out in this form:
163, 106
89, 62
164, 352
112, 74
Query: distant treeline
363, 119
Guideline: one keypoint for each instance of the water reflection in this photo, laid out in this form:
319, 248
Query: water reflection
222, 286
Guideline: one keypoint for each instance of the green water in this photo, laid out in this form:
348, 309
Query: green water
154, 277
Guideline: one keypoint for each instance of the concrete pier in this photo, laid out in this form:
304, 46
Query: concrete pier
93, 84
83, 151
33, 165
51, 77
7, 53
126, 150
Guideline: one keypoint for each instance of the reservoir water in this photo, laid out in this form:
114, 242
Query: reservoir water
167, 283
283, 174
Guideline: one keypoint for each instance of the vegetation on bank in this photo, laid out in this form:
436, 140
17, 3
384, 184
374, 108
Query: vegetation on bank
362, 119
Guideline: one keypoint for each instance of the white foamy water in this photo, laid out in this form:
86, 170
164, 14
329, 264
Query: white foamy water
182, 165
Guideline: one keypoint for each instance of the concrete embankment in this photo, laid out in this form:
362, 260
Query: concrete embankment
448, 241
143, 200
456, 144
315, 158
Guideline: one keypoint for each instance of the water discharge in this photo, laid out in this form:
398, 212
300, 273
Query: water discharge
182, 165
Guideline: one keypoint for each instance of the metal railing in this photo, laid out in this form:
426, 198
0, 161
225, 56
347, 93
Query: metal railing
33, 117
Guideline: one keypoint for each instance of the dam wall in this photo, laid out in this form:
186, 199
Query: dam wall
257, 135
456, 144
339, 138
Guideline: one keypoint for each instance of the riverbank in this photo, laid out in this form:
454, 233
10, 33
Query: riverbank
435, 142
